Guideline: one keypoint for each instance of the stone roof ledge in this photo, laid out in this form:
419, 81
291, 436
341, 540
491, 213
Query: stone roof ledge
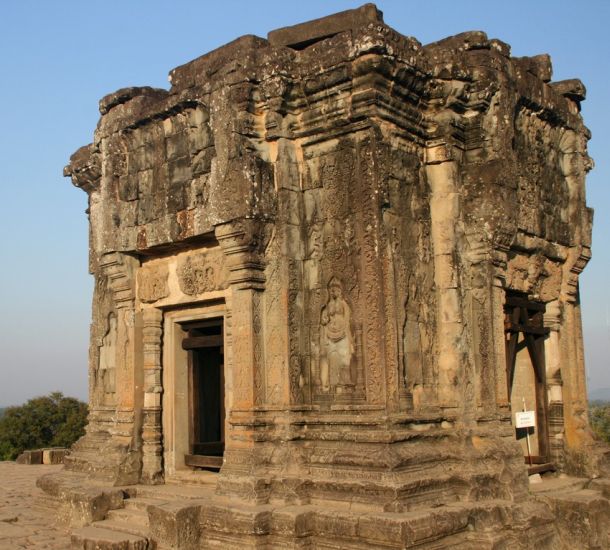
302, 35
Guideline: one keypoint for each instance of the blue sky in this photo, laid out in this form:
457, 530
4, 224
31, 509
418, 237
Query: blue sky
57, 59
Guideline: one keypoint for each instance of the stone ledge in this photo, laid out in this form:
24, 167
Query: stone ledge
301, 35
96, 538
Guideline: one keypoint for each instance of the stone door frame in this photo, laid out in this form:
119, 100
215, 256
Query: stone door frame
175, 415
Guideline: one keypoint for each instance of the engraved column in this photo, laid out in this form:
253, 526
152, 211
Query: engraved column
552, 354
152, 468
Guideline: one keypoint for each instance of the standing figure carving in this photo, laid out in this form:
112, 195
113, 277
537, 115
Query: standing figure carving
107, 359
337, 341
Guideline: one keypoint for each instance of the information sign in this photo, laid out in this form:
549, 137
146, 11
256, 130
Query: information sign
525, 419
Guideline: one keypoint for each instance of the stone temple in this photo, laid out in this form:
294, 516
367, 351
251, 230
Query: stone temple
330, 268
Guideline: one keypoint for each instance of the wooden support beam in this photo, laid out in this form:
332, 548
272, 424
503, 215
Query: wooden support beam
195, 342
511, 358
203, 461
517, 301
526, 329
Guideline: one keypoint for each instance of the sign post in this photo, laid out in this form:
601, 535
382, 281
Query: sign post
527, 420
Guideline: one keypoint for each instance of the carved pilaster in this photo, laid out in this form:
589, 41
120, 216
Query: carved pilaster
552, 353
152, 469
480, 315
120, 269
498, 300
573, 377
242, 243
441, 172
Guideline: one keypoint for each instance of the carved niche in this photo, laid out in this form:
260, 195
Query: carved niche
152, 283
203, 272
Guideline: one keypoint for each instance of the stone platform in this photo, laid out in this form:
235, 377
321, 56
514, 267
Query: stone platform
25, 520
560, 513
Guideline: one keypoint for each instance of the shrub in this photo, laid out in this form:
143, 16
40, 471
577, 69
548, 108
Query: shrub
599, 416
49, 421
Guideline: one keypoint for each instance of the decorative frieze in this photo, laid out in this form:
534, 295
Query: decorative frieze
202, 272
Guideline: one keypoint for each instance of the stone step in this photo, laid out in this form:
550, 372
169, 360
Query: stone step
563, 484
93, 455
100, 538
171, 491
121, 526
142, 503
583, 496
131, 516
196, 478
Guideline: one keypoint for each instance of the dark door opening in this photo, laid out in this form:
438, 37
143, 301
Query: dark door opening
526, 373
204, 342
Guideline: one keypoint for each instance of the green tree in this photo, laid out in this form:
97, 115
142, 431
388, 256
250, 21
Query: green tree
599, 415
49, 421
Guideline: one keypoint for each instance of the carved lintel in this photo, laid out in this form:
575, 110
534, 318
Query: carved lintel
202, 273
119, 269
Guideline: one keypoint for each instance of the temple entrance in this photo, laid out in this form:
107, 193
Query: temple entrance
206, 400
526, 375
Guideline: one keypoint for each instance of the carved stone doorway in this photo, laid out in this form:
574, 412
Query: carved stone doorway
526, 374
203, 341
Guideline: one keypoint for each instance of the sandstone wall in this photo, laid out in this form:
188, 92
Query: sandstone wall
359, 205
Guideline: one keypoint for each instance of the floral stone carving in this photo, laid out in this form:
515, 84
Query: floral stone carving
201, 273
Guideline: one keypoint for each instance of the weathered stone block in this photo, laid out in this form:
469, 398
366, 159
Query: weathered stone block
175, 524
30, 457
54, 455
95, 538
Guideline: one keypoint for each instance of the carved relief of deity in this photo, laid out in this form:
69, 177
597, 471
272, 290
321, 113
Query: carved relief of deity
336, 341
107, 359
